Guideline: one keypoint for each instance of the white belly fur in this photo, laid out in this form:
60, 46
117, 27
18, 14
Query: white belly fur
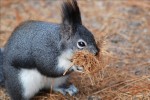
32, 81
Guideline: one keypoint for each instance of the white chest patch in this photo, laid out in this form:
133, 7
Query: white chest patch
32, 81
64, 59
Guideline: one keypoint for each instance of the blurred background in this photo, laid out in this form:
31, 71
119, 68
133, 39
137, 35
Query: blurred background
125, 25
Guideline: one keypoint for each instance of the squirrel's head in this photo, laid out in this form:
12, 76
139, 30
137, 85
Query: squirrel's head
73, 34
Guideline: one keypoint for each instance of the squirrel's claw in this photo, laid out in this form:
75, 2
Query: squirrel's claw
71, 90
77, 69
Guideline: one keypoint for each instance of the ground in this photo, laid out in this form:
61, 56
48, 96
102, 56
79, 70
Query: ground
123, 25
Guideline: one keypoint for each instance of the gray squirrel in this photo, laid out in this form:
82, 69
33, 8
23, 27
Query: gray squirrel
38, 53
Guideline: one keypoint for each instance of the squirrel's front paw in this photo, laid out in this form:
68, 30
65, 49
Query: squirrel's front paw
77, 69
71, 90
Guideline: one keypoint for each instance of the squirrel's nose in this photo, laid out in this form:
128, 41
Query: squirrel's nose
96, 51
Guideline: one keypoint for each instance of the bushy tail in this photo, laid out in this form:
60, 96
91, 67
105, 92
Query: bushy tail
1, 69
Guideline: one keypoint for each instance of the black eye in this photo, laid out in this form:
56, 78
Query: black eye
81, 44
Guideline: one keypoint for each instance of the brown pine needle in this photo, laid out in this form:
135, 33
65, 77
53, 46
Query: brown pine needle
67, 70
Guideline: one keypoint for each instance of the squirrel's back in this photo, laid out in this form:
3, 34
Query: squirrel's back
31, 37
32, 28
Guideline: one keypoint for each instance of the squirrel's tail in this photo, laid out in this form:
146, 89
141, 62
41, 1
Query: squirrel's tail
1, 69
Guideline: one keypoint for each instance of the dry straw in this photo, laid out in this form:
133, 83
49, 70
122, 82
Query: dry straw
85, 59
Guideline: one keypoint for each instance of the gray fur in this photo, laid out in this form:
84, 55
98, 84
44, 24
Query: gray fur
38, 45
1, 69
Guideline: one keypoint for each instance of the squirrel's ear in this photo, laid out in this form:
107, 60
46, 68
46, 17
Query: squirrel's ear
71, 13
67, 31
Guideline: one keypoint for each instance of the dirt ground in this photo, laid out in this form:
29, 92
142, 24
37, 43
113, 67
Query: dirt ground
124, 25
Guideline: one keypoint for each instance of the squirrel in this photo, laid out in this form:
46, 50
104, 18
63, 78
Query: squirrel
39, 52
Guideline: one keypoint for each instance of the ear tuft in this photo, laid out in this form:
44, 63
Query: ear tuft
71, 13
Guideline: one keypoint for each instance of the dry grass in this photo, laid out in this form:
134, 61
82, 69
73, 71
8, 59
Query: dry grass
124, 26
88, 61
